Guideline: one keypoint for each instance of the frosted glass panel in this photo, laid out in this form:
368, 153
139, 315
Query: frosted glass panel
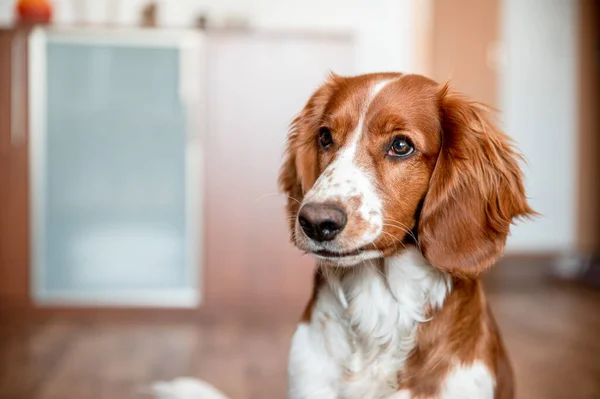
113, 174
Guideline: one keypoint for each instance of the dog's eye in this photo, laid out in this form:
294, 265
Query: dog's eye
401, 147
325, 139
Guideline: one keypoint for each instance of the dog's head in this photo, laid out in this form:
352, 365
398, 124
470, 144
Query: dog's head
379, 161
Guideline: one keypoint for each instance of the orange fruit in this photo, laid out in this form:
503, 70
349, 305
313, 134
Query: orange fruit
34, 10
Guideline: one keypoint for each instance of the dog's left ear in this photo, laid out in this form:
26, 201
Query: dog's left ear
475, 191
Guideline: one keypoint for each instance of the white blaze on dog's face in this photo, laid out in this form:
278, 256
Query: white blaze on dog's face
364, 143
375, 160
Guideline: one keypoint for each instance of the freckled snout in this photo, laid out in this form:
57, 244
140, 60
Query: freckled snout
321, 222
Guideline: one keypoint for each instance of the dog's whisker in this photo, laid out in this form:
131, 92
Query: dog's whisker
374, 267
402, 227
271, 194
397, 227
405, 229
394, 240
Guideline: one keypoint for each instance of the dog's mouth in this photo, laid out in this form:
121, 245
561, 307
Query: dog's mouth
347, 258
331, 254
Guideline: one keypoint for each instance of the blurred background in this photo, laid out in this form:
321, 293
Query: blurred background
141, 234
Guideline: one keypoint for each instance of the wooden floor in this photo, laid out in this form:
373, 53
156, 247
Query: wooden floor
552, 333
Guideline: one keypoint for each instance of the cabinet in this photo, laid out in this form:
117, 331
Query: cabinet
145, 173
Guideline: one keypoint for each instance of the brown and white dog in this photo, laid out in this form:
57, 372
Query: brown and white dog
404, 191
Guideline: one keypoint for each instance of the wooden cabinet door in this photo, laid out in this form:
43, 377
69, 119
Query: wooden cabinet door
14, 194
256, 85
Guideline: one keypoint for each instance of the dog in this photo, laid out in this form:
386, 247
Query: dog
404, 191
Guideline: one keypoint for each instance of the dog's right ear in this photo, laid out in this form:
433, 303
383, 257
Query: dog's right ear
300, 168
476, 190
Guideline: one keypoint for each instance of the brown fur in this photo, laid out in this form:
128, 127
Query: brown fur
474, 193
462, 331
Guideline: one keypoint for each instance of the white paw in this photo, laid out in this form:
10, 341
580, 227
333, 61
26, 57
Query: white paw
185, 388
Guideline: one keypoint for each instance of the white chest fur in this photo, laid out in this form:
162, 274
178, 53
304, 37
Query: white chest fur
363, 328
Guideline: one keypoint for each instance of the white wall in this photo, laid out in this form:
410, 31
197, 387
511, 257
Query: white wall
384, 29
538, 90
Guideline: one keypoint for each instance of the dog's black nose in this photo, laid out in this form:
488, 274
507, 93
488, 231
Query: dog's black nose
321, 222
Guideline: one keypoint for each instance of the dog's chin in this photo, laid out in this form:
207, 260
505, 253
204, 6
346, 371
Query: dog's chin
347, 259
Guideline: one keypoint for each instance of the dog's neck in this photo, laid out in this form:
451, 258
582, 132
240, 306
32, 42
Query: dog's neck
413, 284
381, 303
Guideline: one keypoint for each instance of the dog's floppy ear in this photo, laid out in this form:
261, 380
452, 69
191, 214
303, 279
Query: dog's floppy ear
300, 167
475, 191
